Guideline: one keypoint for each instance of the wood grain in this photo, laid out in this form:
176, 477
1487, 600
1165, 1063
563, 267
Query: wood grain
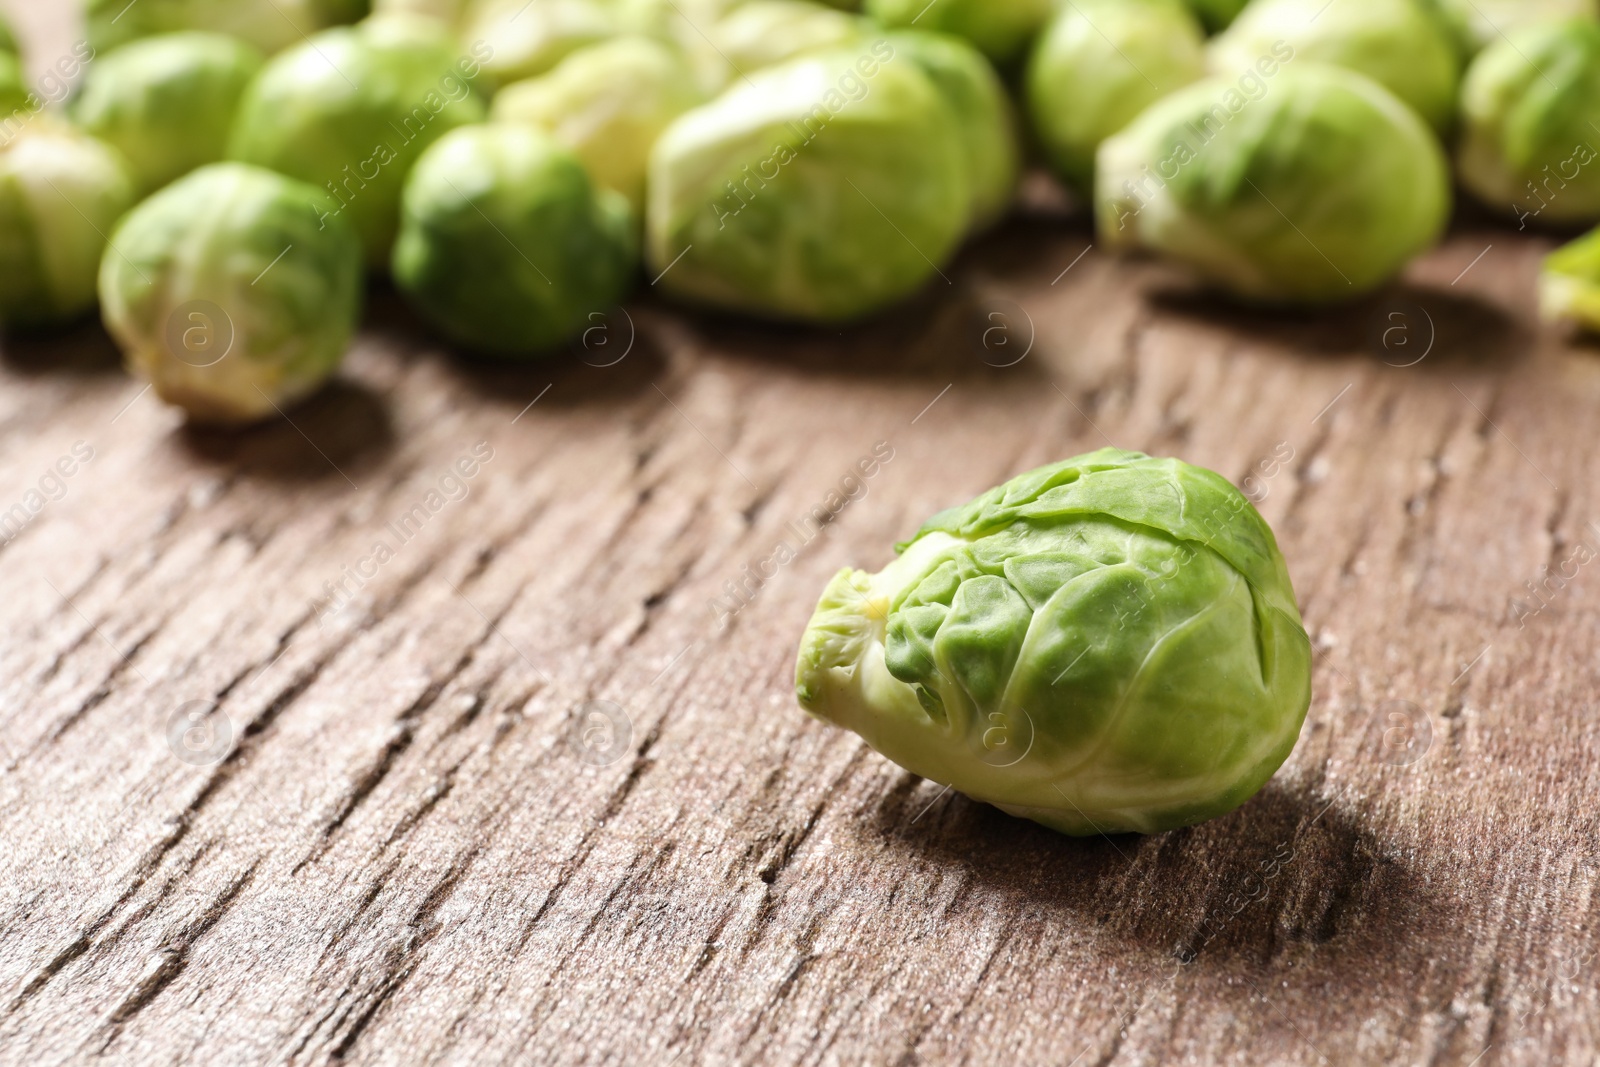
404, 855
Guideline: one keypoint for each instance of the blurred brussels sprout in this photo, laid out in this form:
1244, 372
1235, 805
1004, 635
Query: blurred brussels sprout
61, 193
1001, 29
234, 291
607, 104
167, 102
1098, 64
526, 38
1569, 284
760, 33
13, 95
8, 40
1216, 15
678, 23
1480, 23
506, 244
1528, 124
1403, 45
268, 24
450, 12
1310, 186
820, 189
1106, 644
983, 113
350, 111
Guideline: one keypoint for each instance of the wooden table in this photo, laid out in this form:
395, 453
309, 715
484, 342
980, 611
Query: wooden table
538, 789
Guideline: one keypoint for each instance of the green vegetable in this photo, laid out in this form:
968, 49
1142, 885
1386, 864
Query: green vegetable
526, 38
1569, 284
1529, 137
1106, 644
450, 12
351, 110
760, 33
234, 291
1217, 15
8, 39
1480, 23
608, 104
983, 114
13, 95
507, 246
820, 189
1403, 45
1001, 29
270, 25
1303, 185
61, 193
687, 25
1100, 63
167, 102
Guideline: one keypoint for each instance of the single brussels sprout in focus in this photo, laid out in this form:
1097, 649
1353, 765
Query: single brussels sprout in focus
167, 102
1001, 29
761, 33
350, 111
1403, 45
1480, 23
526, 38
1102, 645
607, 104
1529, 141
1097, 65
820, 189
61, 193
1569, 283
1316, 189
233, 291
270, 25
983, 113
507, 246
1217, 15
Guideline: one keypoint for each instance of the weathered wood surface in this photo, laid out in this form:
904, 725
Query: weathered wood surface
402, 855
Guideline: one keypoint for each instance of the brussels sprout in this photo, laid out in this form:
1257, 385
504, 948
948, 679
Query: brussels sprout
760, 33
1313, 185
1528, 124
1100, 63
1480, 23
1106, 644
1569, 284
819, 189
679, 23
268, 24
1403, 45
506, 244
234, 291
450, 12
1217, 15
1000, 28
61, 193
525, 38
13, 95
8, 40
983, 114
607, 104
167, 102
351, 110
